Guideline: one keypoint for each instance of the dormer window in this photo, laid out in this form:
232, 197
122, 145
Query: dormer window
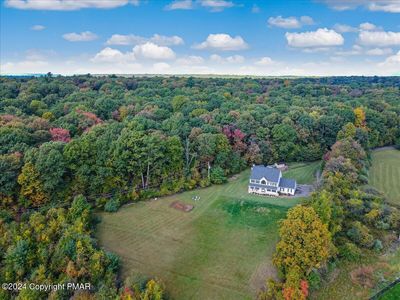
263, 182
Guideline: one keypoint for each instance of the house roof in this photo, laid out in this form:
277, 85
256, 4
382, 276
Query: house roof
287, 183
269, 173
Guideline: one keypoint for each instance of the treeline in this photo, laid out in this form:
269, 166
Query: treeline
340, 219
116, 139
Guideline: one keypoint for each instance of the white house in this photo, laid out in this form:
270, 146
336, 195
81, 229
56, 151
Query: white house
269, 181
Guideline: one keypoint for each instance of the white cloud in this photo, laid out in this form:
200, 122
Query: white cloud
368, 26
190, 60
216, 5
321, 38
386, 6
392, 61
223, 42
356, 50
264, 61
290, 22
34, 61
130, 39
316, 49
160, 67
180, 4
363, 26
391, 6
235, 59
345, 28
152, 51
163, 40
85, 36
216, 58
38, 27
213, 5
379, 38
67, 4
24, 67
279, 21
379, 51
110, 55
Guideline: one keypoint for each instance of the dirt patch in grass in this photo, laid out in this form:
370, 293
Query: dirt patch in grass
363, 276
182, 206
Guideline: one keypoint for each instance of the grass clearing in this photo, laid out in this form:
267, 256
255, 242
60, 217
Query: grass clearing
384, 173
220, 250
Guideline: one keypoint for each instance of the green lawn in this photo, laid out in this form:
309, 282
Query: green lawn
393, 293
304, 173
384, 173
220, 250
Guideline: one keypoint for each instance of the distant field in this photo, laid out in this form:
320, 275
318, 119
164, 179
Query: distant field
385, 173
220, 250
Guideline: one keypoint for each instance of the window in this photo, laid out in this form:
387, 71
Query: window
252, 181
263, 182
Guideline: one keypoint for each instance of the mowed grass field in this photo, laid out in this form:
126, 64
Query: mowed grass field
222, 249
393, 293
384, 173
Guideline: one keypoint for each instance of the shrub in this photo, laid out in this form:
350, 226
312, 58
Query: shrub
373, 216
378, 246
363, 179
218, 175
190, 184
112, 205
359, 234
382, 225
350, 252
204, 182
314, 279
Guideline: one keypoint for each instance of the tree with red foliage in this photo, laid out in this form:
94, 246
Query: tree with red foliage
60, 135
235, 137
304, 287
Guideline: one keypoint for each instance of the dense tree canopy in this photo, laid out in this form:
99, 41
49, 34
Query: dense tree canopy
113, 139
127, 137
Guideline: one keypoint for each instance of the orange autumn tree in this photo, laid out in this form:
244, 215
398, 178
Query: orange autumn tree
305, 244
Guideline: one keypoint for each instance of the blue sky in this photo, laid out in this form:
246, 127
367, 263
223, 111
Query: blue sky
260, 37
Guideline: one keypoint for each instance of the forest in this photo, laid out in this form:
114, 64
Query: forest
71, 145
